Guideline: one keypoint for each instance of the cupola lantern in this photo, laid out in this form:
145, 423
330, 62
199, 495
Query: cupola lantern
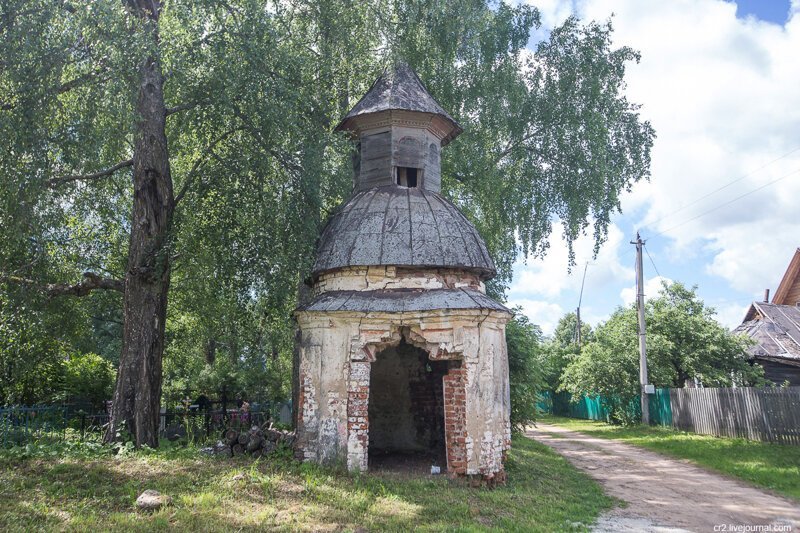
400, 130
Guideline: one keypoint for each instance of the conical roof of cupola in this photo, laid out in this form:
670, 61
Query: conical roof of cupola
399, 89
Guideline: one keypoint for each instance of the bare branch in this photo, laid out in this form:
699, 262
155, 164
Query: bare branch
55, 182
179, 108
200, 161
288, 165
104, 319
65, 87
79, 81
89, 283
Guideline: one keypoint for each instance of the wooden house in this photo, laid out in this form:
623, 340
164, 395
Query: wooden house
775, 328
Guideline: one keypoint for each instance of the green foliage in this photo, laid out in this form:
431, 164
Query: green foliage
257, 167
31, 354
684, 342
72, 448
561, 348
524, 347
88, 377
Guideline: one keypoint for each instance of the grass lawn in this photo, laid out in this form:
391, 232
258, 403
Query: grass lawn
97, 491
773, 466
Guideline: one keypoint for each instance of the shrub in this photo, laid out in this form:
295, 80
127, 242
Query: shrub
88, 377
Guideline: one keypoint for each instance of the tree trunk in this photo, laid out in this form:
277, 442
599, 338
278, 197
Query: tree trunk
303, 297
137, 398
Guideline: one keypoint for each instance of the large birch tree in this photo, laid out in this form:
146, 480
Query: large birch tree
174, 152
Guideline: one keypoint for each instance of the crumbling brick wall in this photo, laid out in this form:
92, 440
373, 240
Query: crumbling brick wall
337, 355
357, 415
455, 427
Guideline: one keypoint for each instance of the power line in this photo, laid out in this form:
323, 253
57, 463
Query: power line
653, 263
578, 310
726, 203
737, 180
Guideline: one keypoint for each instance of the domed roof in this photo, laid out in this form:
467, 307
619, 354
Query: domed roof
401, 226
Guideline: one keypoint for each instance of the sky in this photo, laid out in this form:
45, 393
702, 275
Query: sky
720, 83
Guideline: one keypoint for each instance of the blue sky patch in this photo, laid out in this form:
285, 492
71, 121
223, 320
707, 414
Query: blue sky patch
776, 11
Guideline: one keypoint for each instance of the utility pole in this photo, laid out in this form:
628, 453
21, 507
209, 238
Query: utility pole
642, 342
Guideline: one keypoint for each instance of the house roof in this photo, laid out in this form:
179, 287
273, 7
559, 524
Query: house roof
401, 226
399, 89
788, 292
775, 330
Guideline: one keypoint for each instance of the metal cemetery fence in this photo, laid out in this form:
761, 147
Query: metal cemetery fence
43, 424
766, 414
21, 425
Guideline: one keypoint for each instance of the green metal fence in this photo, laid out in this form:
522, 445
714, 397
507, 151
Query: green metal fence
587, 407
599, 407
660, 408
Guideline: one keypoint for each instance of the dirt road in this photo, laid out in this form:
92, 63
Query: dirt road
666, 494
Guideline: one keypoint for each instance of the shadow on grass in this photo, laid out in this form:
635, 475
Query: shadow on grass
544, 493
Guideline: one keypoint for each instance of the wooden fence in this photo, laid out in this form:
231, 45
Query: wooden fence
766, 414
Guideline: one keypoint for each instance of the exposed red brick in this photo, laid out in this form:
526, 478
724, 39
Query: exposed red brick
455, 421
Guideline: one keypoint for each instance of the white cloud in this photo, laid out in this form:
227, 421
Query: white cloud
550, 277
542, 313
722, 94
757, 263
731, 315
652, 287
553, 12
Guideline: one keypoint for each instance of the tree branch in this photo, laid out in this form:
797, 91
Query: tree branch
179, 108
89, 283
65, 87
55, 182
104, 319
79, 81
199, 162
289, 166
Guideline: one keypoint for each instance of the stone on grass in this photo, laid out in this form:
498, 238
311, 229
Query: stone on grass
152, 500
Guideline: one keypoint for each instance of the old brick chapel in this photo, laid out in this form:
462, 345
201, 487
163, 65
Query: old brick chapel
402, 353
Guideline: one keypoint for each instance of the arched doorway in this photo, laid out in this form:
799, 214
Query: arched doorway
406, 410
